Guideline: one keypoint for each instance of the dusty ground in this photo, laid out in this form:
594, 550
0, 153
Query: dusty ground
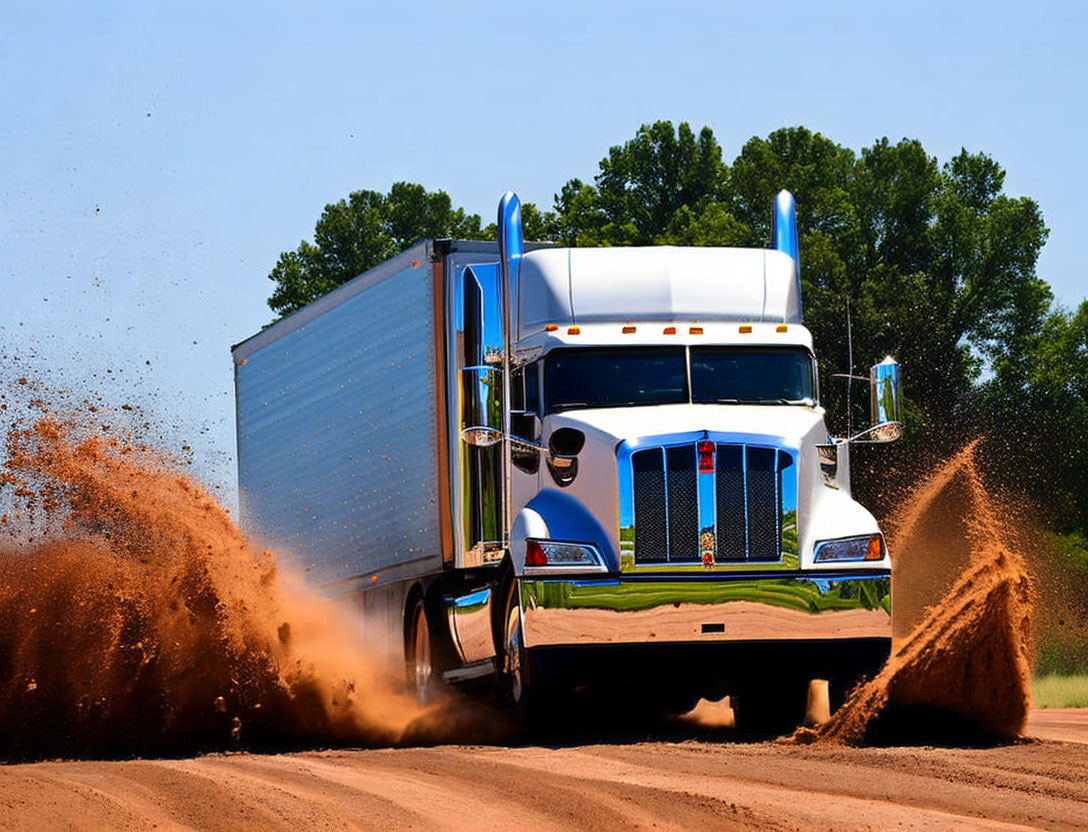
683, 782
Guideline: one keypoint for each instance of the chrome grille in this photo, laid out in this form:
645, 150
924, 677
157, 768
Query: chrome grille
735, 515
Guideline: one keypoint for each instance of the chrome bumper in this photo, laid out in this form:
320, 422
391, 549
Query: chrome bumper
801, 606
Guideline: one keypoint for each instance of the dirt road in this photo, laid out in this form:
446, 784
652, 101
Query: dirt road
691, 783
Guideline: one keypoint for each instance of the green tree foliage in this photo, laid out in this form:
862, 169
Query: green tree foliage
367, 228
1036, 411
358, 233
649, 190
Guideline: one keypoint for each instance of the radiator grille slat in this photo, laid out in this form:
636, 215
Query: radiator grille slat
729, 484
763, 510
683, 503
648, 472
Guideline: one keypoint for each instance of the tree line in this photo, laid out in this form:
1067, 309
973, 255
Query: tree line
933, 262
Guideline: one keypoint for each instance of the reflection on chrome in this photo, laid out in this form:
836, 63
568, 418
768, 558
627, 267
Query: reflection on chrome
613, 611
481, 463
828, 456
884, 391
469, 620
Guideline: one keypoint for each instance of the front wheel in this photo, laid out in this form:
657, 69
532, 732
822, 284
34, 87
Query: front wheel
420, 667
519, 688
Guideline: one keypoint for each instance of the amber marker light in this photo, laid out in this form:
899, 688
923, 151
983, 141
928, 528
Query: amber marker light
874, 551
695, 330
628, 330
415, 264
781, 328
551, 327
669, 330
745, 329
574, 330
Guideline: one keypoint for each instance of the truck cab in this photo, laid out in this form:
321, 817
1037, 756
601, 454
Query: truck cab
680, 522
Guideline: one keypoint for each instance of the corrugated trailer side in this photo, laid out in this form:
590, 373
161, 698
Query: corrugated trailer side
337, 412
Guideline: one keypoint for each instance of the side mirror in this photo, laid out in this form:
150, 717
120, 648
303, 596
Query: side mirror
884, 403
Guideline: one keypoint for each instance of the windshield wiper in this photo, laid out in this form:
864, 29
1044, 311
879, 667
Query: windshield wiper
805, 401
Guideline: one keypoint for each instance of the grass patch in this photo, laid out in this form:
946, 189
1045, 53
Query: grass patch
1060, 691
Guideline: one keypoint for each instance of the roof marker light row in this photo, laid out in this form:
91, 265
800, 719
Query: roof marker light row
743, 329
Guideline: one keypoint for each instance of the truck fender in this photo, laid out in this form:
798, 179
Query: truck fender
558, 516
528, 523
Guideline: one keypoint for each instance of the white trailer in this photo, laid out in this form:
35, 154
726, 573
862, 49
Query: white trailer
574, 469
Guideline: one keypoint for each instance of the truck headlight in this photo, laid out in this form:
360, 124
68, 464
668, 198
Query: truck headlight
869, 547
555, 555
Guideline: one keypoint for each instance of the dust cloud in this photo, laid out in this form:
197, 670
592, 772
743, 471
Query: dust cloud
963, 672
135, 618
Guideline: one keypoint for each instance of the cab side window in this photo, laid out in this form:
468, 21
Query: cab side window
524, 405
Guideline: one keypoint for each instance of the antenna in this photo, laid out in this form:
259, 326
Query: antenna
850, 375
850, 370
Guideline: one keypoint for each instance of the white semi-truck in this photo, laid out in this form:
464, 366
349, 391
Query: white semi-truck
573, 469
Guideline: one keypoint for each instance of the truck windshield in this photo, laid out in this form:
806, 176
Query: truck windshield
580, 378
732, 375
610, 377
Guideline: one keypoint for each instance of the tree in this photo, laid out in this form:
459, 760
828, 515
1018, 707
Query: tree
1036, 418
536, 225
936, 264
641, 187
358, 233
369, 227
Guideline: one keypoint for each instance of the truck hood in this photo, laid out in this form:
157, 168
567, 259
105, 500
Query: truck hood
777, 424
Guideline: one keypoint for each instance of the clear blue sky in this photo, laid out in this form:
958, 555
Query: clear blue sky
157, 157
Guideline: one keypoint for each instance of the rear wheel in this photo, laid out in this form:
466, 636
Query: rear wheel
421, 678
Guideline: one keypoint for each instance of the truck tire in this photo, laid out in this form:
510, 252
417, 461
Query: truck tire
518, 689
419, 657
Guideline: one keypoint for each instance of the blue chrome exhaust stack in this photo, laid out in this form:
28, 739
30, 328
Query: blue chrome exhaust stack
511, 247
784, 234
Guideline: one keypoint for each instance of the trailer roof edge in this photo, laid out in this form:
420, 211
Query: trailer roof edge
300, 317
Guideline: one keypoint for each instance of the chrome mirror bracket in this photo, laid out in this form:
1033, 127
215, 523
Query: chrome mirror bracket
485, 437
877, 434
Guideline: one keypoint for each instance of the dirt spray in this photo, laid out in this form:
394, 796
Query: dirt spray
135, 617
964, 670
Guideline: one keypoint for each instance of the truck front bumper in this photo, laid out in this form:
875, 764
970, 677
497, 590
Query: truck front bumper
823, 606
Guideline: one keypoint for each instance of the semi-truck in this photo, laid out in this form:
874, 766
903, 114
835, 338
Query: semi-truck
570, 471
